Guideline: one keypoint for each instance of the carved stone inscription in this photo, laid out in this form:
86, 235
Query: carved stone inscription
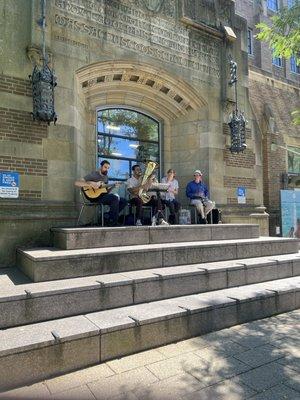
129, 27
201, 11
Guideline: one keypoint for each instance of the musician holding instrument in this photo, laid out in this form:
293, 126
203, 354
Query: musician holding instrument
135, 185
197, 192
169, 197
96, 189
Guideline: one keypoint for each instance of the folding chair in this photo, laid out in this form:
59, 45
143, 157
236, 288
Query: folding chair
194, 213
86, 203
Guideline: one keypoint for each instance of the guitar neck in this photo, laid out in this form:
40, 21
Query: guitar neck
104, 186
108, 186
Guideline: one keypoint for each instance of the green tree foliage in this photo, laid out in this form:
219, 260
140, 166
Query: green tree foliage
133, 123
296, 116
284, 34
283, 37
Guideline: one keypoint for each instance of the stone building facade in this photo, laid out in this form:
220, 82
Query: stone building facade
166, 60
274, 93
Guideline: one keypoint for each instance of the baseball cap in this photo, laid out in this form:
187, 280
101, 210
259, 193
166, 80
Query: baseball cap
197, 172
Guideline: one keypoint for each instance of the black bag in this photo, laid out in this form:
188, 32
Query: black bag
129, 220
214, 216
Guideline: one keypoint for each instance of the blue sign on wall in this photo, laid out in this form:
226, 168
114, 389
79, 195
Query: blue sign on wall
241, 191
241, 195
9, 185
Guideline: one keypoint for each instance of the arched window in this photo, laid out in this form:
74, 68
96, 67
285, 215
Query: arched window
126, 137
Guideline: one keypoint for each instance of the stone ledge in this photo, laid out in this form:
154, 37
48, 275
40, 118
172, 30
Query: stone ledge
78, 238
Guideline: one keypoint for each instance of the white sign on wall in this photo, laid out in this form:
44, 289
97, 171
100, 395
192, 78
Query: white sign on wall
9, 185
241, 195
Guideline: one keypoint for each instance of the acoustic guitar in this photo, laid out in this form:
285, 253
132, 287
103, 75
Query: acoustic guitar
91, 193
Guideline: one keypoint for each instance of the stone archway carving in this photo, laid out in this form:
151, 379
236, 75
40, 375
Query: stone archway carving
137, 85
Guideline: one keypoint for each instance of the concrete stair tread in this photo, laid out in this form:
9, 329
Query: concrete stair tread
62, 286
146, 228
51, 253
264, 288
17, 292
32, 336
42, 334
51, 264
240, 263
147, 313
287, 284
71, 238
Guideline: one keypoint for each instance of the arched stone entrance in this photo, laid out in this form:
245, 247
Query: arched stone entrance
169, 99
139, 85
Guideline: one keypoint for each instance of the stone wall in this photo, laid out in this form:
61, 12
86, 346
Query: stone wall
274, 94
18, 126
169, 61
273, 101
10, 84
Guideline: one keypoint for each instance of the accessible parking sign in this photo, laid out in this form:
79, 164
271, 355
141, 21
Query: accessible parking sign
9, 185
241, 195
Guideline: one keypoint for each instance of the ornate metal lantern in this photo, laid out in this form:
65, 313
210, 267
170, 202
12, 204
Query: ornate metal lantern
237, 122
237, 126
43, 84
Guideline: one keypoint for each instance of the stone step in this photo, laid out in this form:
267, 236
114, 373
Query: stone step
86, 238
39, 351
35, 302
51, 263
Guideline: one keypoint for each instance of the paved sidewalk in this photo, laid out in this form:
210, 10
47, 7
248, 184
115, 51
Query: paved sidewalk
258, 360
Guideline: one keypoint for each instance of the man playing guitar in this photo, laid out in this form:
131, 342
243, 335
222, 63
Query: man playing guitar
97, 180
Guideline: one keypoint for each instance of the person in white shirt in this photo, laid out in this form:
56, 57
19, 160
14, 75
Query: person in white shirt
133, 187
169, 197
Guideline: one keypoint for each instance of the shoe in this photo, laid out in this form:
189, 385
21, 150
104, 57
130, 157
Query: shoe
153, 221
163, 222
138, 223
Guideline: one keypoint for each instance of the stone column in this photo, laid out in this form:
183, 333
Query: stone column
261, 218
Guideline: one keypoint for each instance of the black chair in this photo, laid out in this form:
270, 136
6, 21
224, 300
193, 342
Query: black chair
86, 203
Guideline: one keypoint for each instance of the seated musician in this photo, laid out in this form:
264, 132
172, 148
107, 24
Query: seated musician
197, 192
98, 179
133, 186
169, 198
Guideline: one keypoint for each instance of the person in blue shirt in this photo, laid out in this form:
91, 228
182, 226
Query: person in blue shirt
198, 194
